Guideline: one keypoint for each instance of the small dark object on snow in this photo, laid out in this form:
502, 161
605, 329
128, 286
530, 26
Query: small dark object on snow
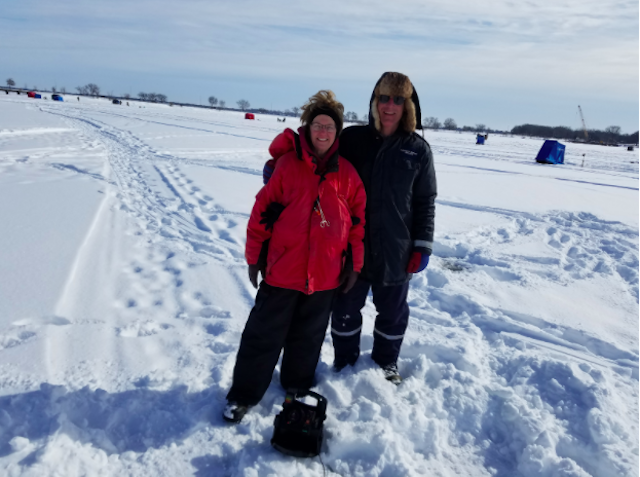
298, 428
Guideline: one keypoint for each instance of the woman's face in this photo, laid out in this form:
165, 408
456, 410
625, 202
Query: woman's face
390, 115
323, 133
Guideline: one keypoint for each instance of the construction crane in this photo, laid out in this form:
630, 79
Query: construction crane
584, 126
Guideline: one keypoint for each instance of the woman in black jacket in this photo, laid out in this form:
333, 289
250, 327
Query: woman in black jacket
396, 167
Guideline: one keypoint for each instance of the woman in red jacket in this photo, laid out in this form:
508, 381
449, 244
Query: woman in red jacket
305, 237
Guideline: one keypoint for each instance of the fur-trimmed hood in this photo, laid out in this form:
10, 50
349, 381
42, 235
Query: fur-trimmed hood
397, 84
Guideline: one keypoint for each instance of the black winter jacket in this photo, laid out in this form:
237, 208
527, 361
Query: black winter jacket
400, 181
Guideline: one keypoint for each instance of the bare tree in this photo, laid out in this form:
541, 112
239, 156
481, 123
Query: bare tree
450, 124
480, 127
142, 96
93, 89
222, 104
126, 96
53, 89
213, 101
10, 82
243, 104
350, 116
613, 130
431, 123
63, 90
82, 89
296, 111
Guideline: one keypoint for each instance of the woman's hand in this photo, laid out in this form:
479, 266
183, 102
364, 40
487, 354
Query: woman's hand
348, 278
253, 274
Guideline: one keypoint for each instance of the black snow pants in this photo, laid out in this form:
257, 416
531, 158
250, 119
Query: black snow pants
281, 318
391, 322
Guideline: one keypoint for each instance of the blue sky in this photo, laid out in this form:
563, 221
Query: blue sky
500, 63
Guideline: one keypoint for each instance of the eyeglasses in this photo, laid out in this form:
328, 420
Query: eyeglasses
317, 127
384, 98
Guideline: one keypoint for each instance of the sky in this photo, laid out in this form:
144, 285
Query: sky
500, 63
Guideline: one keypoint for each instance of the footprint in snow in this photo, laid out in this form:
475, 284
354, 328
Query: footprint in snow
214, 312
17, 338
139, 329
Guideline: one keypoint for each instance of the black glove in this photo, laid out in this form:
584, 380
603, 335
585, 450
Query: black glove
347, 276
271, 215
253, 275
261, 266
350, 280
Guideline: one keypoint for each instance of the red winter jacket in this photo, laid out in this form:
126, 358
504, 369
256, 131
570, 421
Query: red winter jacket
306, 254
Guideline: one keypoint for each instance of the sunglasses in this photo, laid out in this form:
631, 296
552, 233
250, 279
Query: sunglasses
384, 98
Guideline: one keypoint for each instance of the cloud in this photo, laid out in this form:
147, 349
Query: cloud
525, 47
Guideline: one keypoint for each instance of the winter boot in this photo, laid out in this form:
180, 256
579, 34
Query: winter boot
339, 363
391, 373
234, 412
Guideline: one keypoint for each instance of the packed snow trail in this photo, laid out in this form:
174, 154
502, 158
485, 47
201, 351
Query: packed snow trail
521, 356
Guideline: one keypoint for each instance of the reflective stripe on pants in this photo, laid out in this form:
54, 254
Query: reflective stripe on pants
390, 325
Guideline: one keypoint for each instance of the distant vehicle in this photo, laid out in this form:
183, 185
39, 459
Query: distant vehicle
116, 101
57, 97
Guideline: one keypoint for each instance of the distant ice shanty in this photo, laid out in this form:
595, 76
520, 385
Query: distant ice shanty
551, 152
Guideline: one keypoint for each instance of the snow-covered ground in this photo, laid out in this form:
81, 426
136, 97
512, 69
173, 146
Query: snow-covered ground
123, 293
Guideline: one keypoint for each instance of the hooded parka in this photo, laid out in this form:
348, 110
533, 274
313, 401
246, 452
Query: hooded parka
400, 182
322, 218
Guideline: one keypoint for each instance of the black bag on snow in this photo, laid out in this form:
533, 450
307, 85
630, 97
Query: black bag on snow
298, 427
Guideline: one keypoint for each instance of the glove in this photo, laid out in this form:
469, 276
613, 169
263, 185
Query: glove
419, 260
271, 215
267, 170
347, 276
348, 280
253, 274
261, 266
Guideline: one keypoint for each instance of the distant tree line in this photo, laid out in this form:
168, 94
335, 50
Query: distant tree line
90, 89
611, 135
433, 123
154, 97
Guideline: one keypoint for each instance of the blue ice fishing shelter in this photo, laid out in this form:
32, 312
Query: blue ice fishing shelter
57, 97
479, 139
551, 152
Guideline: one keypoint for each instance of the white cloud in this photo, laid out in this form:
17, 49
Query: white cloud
568, 46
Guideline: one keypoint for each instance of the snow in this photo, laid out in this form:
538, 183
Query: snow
123, 294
